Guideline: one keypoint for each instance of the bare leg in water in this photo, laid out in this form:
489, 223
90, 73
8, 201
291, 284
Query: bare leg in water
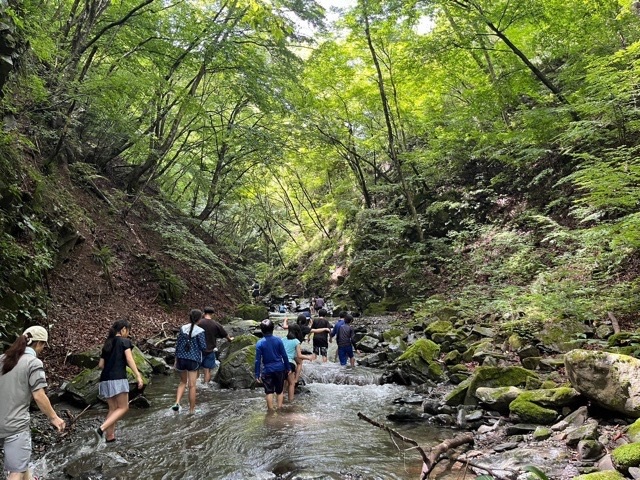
118, 407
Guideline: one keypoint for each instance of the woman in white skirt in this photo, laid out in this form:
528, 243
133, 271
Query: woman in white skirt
114, 386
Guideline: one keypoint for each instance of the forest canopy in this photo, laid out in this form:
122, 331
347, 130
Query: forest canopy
414, 154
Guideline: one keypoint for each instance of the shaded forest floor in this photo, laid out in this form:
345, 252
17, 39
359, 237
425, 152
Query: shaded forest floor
85, 300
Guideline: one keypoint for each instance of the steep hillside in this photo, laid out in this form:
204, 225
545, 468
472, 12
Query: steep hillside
76, 257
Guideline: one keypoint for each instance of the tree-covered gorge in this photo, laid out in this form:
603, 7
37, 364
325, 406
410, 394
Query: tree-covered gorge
471, 156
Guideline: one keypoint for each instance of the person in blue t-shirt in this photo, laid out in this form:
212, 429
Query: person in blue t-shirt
272, 365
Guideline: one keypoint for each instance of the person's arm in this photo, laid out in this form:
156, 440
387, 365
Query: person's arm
299, 355
101, 363
45, 407
285, 323
132, 365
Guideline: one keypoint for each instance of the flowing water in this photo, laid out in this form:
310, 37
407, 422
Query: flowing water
319, 436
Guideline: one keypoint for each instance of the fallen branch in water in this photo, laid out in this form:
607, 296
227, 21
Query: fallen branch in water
429, 461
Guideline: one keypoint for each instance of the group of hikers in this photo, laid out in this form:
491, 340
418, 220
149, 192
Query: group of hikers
278, 361
278, 364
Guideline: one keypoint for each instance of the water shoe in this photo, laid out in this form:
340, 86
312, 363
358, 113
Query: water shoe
175, 408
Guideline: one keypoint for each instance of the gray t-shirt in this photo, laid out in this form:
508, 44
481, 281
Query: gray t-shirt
15, 392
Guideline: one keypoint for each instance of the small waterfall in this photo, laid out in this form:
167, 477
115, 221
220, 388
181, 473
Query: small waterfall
335, 373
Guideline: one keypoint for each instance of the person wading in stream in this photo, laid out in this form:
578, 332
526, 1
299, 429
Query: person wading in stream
272, 365
190, 344
114, 385
212, 332
21, 379
295, 357
320, 329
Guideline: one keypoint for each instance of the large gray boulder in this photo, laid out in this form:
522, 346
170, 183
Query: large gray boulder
237, 369
609, 379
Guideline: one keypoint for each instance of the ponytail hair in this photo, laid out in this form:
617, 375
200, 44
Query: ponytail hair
194, 316
115, 328
13, 353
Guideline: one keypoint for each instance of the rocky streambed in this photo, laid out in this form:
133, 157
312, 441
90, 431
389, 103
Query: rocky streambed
564, 414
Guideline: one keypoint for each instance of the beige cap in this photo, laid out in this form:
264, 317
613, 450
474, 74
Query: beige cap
36, 334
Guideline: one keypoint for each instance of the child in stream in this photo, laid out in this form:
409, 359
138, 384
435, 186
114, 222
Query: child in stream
346, 342
272, 365
295, 357
114, 385
190, 344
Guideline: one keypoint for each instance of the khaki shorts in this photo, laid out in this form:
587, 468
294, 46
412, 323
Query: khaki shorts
17, 451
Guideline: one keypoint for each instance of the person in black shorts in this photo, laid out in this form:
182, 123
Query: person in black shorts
212, 332
320, 329
272, 365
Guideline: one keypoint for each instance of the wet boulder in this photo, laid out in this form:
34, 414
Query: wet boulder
611, 380
238, 327
633, 431
252, 312
577, 434
237, 369
368, 344
83, 388
419, 363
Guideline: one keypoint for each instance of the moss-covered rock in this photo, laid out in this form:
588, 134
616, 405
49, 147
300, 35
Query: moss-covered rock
529, 412
392, 334
496, 377
541, 406
458, 394
609, 379
252, 312
419, 364
541, 433
439, 326
88, 359
626, 456
83, 388
237, 369
633, 431
604, 475
452, 358
422, 348
497, 398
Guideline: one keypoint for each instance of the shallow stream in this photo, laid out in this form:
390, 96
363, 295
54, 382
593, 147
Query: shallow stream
319, 436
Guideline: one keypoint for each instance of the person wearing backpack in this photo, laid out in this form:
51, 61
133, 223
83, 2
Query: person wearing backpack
190, 344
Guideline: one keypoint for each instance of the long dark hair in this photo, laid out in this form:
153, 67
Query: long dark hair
13, 354
113, 331
194, 316
295, 332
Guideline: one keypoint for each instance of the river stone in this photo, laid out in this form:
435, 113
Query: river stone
237, 370
88, 359
527, 352
520, 428
375, 360
406, 414
239, 327
495, 377
588, 431
503, 447
497, 398
453, 357
601, 475
474, 416
590, 449
368, 344
83, 388
484, 331
542, 433
609, 379
540, 406
419, 364
158, 365
531, 363
634, 472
